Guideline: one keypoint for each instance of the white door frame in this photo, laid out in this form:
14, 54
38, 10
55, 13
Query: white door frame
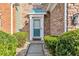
41, 16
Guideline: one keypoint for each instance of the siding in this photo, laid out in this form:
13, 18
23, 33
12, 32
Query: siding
18, 19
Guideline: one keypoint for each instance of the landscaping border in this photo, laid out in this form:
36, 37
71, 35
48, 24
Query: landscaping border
46, 52
23, 51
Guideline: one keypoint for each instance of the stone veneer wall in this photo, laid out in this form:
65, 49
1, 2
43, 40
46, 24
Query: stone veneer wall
57, 20
73, 8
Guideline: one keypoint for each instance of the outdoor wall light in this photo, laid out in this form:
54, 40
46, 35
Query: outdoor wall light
75, 18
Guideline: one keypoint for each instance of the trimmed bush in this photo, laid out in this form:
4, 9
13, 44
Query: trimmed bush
51, 42
8, 44
77, 41
21, 38
66, 44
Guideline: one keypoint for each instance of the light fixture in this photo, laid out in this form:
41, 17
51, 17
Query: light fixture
75, 18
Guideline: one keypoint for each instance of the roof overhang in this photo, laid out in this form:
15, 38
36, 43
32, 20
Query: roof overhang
37, 9
51, 6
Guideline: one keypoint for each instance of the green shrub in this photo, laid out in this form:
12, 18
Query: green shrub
51, 42
21, 38
66, 44
8, 44
77, 41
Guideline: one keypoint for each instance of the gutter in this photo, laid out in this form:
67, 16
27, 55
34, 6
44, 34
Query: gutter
11, 18
65, 17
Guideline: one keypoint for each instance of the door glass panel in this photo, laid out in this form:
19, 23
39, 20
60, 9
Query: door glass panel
36, 27
36, 23
36, 32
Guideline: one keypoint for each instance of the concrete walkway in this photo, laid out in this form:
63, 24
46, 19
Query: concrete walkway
35, 49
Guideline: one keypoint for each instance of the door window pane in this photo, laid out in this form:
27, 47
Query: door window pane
36, 27
36, 23
36, 32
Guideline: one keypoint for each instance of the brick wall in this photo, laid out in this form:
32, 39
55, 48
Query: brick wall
25, 9
73, 8
57, 20
54, 20
5, 17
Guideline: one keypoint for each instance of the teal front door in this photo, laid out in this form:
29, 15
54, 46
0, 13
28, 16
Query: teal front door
36, 28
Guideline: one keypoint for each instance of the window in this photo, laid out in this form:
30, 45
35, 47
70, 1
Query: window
75, 20
36, 23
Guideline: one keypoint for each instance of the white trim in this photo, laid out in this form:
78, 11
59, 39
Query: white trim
11, 18
36, 13
65, 17
42, 26
30, 27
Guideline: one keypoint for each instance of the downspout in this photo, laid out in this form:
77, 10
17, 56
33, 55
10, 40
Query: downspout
11, 18
65, 17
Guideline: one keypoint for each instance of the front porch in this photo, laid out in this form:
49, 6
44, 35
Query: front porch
44, 22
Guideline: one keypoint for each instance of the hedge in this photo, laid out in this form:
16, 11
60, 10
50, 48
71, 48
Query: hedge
66, 44
21, 38
8, 44
51, 42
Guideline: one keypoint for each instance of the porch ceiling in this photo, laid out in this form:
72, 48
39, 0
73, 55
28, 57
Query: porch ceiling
38, 9
42, 9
